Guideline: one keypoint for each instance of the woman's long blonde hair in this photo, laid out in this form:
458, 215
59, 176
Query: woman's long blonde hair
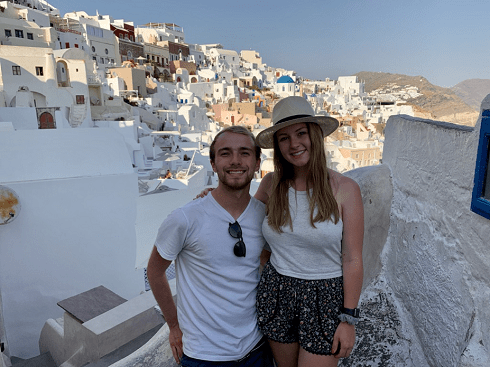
317, 179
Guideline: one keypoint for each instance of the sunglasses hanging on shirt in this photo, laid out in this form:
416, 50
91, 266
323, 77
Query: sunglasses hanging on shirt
235, 231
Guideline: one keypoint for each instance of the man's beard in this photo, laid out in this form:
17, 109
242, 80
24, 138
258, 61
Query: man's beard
233, 184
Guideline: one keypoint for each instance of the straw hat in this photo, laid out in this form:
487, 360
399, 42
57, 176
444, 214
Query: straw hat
290, 111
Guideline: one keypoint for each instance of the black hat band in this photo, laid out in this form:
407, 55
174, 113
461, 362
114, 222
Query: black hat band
291, 118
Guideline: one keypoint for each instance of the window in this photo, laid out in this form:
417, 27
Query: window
93, 48
480, 202
67, 44
80, 99
8, 33
15, 70
39, 70
19, 33
30, 36
106, 51
76, 45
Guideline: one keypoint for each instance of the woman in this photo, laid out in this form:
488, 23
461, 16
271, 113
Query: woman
309, 290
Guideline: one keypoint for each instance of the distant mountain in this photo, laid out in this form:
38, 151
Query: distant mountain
435, 103
472, 91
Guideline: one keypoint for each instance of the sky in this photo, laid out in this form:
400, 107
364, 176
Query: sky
445, 41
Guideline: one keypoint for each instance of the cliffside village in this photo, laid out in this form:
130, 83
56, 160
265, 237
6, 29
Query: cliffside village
80, 70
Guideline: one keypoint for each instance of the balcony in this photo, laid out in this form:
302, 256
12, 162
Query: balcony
93, 80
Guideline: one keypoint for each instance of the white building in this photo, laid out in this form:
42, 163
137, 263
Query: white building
104, 48
24, 26
53, 84
195, 118
197, 56
350, 85
158, 32
253, 58
230, 58
286, 87
70, 32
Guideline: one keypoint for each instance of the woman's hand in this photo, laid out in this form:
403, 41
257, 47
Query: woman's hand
204, 192
345, 336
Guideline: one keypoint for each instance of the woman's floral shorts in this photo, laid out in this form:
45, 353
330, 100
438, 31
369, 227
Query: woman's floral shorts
297, 310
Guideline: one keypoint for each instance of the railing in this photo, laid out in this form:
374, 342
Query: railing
93, 79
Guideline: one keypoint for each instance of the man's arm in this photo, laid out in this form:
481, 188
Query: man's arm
163, 295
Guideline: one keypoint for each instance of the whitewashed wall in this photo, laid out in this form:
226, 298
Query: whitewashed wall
438, 261
428, 306
75, 230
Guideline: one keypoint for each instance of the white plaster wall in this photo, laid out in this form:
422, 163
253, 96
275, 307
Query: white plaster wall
436, 259
22, 118
75, 231
201, 89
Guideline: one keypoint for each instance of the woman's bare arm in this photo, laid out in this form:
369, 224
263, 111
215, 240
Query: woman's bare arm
263, 192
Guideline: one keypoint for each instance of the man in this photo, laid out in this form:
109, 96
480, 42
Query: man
216, 243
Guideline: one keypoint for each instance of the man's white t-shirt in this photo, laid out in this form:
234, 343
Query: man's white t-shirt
216, 290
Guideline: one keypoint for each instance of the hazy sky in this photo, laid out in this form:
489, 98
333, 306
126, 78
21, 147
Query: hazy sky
446, 41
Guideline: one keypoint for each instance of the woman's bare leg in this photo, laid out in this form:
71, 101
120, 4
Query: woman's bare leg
307, 359
285, 354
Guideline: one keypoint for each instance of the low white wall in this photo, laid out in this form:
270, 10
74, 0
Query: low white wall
22, 118
76, 228
377, 193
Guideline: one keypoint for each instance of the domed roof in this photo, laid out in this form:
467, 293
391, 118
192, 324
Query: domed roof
285, 79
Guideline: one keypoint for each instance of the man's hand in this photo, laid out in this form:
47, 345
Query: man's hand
175, 340
345, 335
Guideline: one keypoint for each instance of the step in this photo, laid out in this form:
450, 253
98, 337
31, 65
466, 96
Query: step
43, 360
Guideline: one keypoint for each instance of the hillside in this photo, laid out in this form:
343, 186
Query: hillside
435, 103
472, 91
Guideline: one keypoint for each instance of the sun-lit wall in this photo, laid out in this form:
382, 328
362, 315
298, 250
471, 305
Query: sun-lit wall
436, 263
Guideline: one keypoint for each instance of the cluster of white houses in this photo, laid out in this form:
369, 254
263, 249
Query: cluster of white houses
79, 70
